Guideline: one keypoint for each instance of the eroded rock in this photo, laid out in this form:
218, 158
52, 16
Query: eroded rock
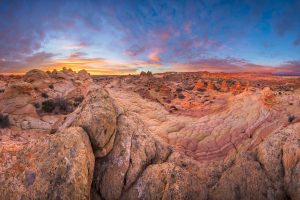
59, 166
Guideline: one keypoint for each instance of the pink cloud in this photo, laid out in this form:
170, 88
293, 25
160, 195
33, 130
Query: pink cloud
230, 64
154, 55
135, 50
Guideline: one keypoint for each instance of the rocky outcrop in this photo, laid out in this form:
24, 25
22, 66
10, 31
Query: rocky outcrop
224, 86
35, 75
98, 118
56, 166
117, 145
199, 85
138, 168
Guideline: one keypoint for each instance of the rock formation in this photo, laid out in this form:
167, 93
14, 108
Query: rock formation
117, 145
224, 86
199, 85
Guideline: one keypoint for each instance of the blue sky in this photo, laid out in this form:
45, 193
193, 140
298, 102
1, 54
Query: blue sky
121, 37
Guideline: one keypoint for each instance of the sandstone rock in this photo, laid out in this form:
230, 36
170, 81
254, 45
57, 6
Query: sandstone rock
224, 86
35, 123
28, 110
165, 91
98, 119
199, 85
244, 180
291, 164
59, 75
83, 74
18, 88
211, 86
138, 168
166, 181
59, 166
17, 95
143, 73
35, 75
268, 96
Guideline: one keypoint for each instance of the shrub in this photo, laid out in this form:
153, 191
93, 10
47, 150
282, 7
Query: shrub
51, 86
48, 106
63, 105
36, 105
45, 95
291, 118
4, 121
201, 89
181, 96
2, 90
79, 99
178, 89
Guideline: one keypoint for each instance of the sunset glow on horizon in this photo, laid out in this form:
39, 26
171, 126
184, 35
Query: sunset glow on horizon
127, 37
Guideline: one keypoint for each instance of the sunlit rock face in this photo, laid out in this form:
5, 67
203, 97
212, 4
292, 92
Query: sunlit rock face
64, 135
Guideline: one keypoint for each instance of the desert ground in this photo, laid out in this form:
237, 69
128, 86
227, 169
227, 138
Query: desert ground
187, 135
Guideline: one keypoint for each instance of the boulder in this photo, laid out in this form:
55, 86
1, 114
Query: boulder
268, 97
56, 166
224, 86
98, 118
199, 85
83, 74
35, 123
138, 168
165, 91
211, 86
35, 75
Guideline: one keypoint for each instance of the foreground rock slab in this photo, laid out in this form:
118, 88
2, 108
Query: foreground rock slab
56, 166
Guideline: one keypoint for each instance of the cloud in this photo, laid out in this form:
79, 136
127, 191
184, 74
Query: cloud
154, 55
231, 64
289, 68
135, 50
157, 34
77, 54
39, 58
32, 61
75, 46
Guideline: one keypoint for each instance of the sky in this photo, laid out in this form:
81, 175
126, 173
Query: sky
127, 37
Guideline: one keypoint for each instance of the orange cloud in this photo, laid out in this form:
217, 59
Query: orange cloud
154, 56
